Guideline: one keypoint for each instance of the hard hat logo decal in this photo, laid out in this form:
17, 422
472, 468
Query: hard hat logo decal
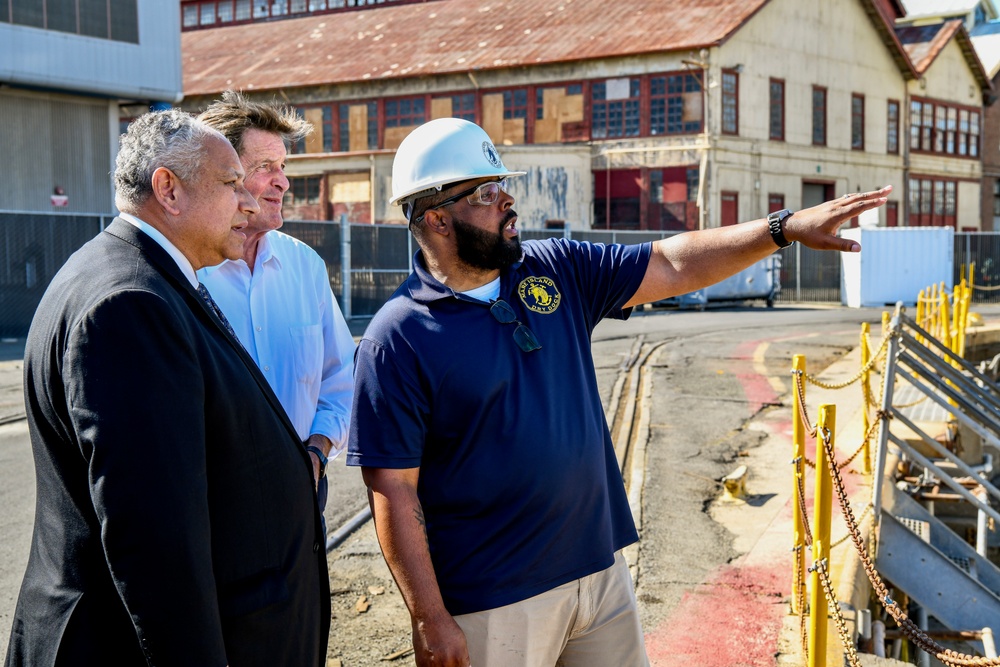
491, 155
539, 294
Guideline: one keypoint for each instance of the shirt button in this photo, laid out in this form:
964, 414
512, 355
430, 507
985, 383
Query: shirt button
258, 328
315, 547
267, 368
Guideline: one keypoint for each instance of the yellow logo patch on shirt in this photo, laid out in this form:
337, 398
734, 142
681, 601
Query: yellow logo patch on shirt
539, 294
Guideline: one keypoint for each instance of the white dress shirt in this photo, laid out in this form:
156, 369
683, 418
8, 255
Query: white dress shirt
152, 232
287, 318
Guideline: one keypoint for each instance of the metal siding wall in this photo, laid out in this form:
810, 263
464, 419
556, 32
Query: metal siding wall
57, 142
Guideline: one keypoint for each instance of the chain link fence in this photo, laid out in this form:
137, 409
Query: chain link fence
379, 257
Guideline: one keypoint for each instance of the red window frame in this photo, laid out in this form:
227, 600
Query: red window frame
892, 118
730, 102
929, 204
819, 106
941, 128
776, 105
857, 122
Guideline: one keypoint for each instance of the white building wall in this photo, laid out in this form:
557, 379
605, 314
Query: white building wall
949, 79
149, 70
791, 40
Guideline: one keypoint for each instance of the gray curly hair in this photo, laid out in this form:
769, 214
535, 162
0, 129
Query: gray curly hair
172, 139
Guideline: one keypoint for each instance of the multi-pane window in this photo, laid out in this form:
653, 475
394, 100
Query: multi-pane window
675, 104
302, 190
819, 116
857, 122
996, 197
892, 127
933, 202
693, 178
515, 104
358, 126
943, 128
405, 112
321, 139
614, 108
776, 110
117, 20
464, 106
559, 114
730, 102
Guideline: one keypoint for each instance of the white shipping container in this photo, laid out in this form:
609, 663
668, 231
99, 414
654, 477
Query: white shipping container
895, 264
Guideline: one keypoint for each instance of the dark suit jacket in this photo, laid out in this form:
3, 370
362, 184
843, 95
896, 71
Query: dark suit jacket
176, 522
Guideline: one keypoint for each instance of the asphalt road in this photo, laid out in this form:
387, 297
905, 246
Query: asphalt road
715, 373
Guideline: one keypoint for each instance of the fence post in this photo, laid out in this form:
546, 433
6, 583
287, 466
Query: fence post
866, 391
822, 502
345, 266
798, 478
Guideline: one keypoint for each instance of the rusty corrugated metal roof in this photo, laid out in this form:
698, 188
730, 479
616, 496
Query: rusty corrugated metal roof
447, 36
924, 43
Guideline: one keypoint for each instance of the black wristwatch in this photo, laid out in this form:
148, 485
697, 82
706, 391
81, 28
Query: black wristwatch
776, 225
322, 459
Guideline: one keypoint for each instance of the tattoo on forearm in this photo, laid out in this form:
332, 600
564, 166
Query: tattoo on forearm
418, 514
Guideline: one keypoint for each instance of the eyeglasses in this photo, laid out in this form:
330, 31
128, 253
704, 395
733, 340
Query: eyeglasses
483, 194
523, 336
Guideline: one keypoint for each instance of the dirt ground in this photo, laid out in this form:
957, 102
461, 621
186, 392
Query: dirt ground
370, 624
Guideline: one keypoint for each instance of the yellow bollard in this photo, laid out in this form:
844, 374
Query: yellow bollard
921, 312
866, 391
798, 460
945, 335
822, 508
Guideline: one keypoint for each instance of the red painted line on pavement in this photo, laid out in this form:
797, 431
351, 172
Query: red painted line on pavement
731, 621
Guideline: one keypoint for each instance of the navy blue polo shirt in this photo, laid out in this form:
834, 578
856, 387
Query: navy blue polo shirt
519, 483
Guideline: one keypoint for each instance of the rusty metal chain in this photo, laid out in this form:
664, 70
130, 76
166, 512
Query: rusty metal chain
801, 390
909, 628
800, 597
803, 510
861, 519
838, 613
857, 376
879, 416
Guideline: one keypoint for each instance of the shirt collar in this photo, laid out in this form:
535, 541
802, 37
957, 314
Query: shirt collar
265, 253
425, 288
152, 232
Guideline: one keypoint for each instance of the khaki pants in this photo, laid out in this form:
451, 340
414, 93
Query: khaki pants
590, 622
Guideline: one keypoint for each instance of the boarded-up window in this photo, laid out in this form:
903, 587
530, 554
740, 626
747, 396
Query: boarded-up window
505, 116
358, 126
559, 114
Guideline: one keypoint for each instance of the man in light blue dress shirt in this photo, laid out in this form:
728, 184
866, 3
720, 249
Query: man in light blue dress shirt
277, 297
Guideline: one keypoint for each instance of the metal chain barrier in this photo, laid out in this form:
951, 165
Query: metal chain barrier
861, 519
986, 289
909, 628
838, 614
867, 367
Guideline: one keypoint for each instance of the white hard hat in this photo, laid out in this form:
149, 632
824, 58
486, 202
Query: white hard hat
441, 152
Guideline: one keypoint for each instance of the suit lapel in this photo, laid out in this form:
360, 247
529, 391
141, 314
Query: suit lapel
166, 265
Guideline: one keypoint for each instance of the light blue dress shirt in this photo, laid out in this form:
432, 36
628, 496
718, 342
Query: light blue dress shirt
287, 318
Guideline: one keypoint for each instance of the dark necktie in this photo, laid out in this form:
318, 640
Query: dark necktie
203, 292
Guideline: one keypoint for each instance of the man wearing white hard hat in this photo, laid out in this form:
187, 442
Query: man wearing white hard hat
477, 421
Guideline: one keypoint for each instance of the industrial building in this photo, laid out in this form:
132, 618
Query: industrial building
639, 114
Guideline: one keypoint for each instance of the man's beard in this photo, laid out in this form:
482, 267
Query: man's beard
486, 250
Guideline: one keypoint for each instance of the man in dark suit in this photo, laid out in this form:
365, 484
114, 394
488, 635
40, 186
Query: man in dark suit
176, 522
